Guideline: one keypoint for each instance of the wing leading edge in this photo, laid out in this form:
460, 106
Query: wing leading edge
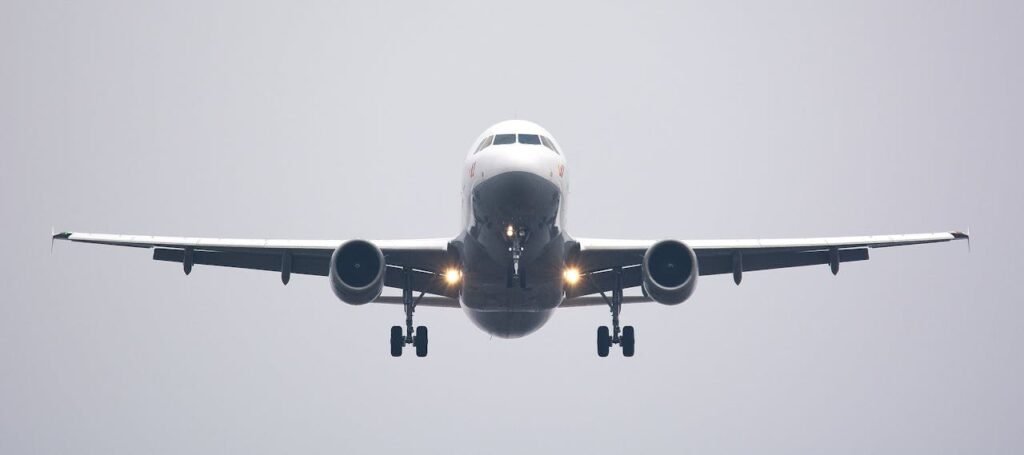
598, 256
426, 257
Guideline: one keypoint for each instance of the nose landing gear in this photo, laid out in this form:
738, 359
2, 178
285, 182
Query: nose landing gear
516, 239
626, 337
398, 340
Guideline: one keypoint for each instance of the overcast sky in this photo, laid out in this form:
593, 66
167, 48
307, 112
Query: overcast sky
680, 120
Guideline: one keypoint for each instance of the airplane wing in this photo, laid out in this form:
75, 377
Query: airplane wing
598, 257
307, 257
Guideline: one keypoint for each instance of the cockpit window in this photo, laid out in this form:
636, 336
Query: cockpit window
484, 144
532, 139
547, 143
501, 139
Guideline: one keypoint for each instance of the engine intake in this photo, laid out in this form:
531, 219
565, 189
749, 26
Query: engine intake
669, 272
357, 272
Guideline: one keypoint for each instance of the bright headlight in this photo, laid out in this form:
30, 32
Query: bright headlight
452, 275
571, 275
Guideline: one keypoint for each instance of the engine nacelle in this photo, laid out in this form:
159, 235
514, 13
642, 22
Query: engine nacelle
357, 272
669, 272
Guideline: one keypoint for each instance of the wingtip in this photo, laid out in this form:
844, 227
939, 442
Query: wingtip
960, 235
57, 236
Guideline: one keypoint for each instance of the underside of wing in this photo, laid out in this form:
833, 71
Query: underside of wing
602, 261
425, 259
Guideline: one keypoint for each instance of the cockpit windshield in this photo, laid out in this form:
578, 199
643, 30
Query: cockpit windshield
547, 143
501, 139
484, 143
504, 139
532, 139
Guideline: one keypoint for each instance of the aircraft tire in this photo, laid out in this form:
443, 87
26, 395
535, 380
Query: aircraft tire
604, 341
628, 341
421, 341
397, 341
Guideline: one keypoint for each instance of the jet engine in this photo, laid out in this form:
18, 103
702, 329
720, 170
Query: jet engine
669, 272
357, 272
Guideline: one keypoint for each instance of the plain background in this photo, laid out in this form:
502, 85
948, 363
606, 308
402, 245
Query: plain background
680, 120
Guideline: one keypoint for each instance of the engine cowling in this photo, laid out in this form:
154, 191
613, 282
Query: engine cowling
357, 272
669, 272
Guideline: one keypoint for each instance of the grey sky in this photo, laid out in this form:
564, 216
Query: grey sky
687, 120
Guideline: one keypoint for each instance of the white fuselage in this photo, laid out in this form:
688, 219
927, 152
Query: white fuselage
514, 190
493, 160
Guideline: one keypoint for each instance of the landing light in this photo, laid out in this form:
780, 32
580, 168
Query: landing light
452, 275
510, 231
572, 275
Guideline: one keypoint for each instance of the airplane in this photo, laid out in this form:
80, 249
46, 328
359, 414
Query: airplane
513, 263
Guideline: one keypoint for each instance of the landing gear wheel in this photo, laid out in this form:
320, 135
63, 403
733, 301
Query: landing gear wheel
628, 341
400, 337
604, 341
626, 337
421, 341
397, 341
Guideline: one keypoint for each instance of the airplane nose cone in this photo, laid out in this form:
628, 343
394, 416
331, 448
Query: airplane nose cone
532, 159
516, 195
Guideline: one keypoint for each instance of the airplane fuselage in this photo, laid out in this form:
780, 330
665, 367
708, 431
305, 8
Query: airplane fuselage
514, 195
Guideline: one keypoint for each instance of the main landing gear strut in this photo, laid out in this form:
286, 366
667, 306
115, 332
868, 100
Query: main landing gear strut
398, 340
627, 336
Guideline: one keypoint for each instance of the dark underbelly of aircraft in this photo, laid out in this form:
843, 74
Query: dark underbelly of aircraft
515, 216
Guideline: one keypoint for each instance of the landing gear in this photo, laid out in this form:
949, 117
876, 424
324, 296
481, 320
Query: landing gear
604, 341
420, 340
516, 238
628, 341
626, 337
398, 339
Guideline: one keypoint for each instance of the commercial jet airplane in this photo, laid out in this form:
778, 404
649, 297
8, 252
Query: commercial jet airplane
514, 261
